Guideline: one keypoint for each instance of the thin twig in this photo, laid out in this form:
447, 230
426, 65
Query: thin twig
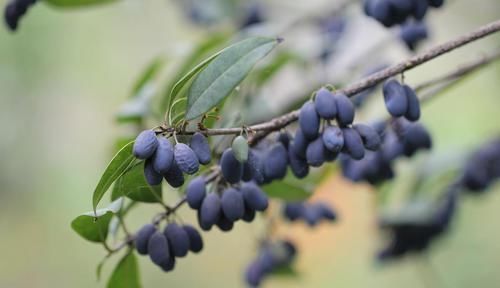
460, 72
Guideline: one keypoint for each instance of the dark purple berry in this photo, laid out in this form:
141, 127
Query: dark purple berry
232, 204
186, 159
353, 144
395, 98
315, 153
370, 137
309, 121
152, 177
178, 239
164, 156
232, 169
142, 238
210, 211
158, 248
345, 109
413, 113
145, 144
199, 144
298, 165
275, 162
333, 139
195, 240
195, 192
254, 197
325, 104
174, 176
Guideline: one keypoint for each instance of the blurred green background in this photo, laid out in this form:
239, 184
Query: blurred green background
66, 72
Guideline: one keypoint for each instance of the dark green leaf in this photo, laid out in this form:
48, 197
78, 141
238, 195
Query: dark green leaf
93, 226
224, 73
126, 273
288, 189
118, 165
133, 185
285, 271
77, 3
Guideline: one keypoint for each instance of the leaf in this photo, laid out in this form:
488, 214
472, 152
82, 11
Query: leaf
126, 273
187, 70
285, 271
118, 165
93, 226
288, 190
77, 3
133, 185
147, 75
224, 73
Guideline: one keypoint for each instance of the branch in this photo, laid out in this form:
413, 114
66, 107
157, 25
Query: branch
279, 122
462, 71
370, 81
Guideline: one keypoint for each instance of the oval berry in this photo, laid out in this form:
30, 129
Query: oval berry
186, 158
298, 165
232, 204
369, 136
201, 148
232, 169
254, 197
413, 113
333, 139
353, 144
174, 176
142, 238
345, 109
395, 99
240, 148
164, 156
309, 120
195, 192
145, 144
276, 162
251, 168
315, 153
325, 104
210, 211
195, 240
299, 144
158, 248
178, 239
152, 177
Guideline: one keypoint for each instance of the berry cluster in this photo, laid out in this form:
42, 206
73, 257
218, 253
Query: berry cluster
408, 236
164, 247
401, 100
272, 256
311, 213
483, 167
412, 33
314, 146
166, 161
392, 12
235, 203
401, 138
14, 10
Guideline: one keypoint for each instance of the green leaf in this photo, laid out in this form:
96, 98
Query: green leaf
77, 3
93, 226
224, 73
288, 189
240, 148
187, 71
126, 273
285, 271
133, 185
147, 75
120, 163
